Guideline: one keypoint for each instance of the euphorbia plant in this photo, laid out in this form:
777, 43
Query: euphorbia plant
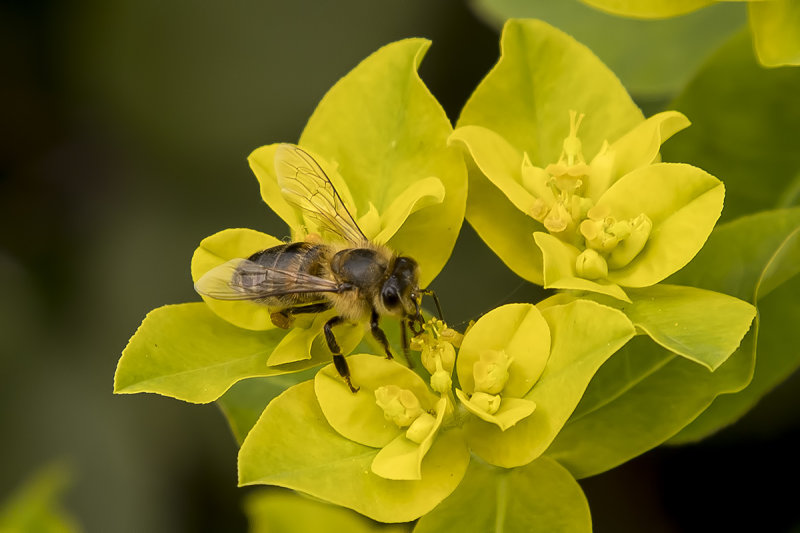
566, 187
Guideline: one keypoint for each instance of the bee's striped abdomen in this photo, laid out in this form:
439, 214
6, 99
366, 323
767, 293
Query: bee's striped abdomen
296, 257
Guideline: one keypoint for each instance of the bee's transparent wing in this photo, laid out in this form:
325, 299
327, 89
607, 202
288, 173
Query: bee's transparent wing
240, 279
306, 186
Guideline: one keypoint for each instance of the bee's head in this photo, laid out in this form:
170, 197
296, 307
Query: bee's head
400, 294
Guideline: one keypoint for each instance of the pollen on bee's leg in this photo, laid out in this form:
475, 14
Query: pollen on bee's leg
282, 319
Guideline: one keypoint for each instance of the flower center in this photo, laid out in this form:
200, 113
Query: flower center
606, 242
559, 204
400, 406
491, 371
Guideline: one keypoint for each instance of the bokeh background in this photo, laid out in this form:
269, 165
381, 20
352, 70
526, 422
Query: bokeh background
124, 131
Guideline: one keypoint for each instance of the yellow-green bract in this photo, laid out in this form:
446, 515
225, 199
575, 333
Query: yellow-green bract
567, 187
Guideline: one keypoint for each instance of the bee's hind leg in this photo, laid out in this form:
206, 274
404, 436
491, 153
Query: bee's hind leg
338, 359
284, 318
379, 335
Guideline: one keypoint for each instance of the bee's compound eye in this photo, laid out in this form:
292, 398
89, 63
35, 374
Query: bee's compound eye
390, 298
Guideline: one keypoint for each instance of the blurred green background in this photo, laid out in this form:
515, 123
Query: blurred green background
125, 128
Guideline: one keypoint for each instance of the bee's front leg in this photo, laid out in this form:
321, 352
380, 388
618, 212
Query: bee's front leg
378, 333
338, 359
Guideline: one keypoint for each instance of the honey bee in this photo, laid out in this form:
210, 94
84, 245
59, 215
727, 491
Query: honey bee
359, 279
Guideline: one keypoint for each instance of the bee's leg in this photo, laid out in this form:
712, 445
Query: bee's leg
404, 337
284, 318
432, 294
338, 359
379, 335
281, 319
311, 308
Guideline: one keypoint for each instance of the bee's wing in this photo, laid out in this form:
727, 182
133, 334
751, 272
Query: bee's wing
240, 279
305, 185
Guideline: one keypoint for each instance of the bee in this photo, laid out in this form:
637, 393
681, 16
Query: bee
359, 279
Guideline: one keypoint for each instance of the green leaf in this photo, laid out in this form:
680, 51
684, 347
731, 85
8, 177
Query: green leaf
221, 247
357, 416
646, 394
783, 265
283, 511
293, 446
541, 496
776, 360
244, 402
388, 134
35, 506
682, 201
649, 8
778, 338
774, 25
584, 334
187, 352
752, 147
703, 326
735, 256
652, 58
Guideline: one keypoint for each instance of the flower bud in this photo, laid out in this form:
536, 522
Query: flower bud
628, 249
488, 403
438, 351
400, 406
591, 265
421, 428
491, 372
